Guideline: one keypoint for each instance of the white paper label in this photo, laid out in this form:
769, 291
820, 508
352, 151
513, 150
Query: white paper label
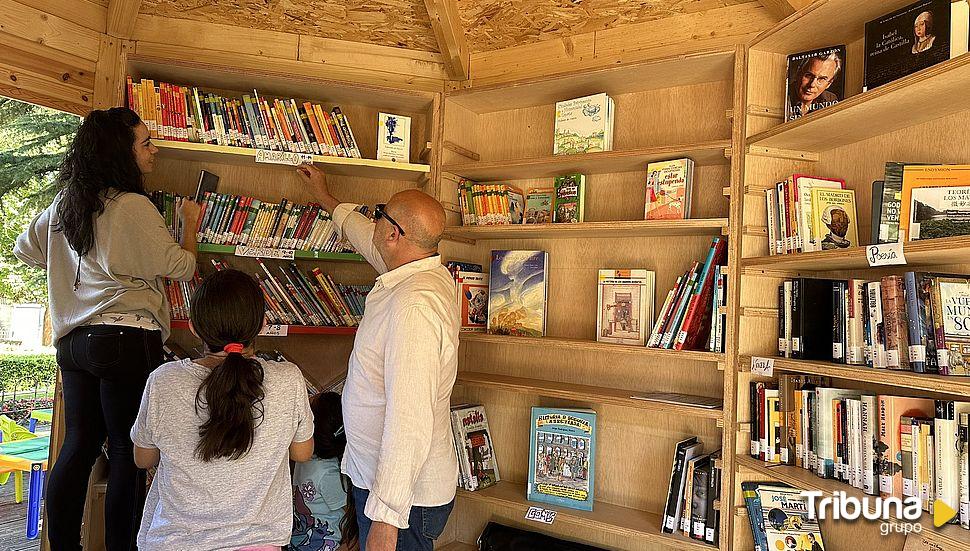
799, 450
274, 331
782, 345
264, 252
709, 534
538, 514
867, 477
837, 350
886, 254
796, 344
784, 454
943, 358
856, 355
755, 447
885, 483
892, 358
762, 366
917, 353
282, 157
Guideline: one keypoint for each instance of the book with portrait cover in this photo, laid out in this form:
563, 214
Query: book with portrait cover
570, 204
834, 220
669, 189
517, 293
935, 202
562, 452
816, 79
538, 205
786, 520
472, 300
625, 304
950, 301
584, 125
907, 40
473, 443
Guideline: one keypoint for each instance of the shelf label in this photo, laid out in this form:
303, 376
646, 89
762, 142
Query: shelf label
282, 157
265, 252
274, 331
762, 366
885, 254
538, 514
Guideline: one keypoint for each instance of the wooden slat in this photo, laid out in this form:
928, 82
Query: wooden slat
42, 60
43, 28
578, 345
608, 230
448, 31
581, 393
517, 62
121, 17
87, 13
41, 85
214, 36
371, 56
109, 89
783, 8
634, 160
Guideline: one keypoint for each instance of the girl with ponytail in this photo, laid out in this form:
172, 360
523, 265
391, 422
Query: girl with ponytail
221, 430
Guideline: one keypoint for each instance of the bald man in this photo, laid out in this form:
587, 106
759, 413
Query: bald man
400, 454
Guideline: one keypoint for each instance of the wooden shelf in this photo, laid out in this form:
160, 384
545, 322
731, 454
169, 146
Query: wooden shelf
609, 230
931, 252
603, 162
950, 536
302, 255
580, 345
581, 393
342, 166
943, 384
885, 109
622, 521
292, 329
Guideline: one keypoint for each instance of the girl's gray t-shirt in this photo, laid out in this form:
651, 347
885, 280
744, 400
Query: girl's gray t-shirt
221, 504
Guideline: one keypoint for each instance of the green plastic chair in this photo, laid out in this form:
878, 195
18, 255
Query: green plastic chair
12, 432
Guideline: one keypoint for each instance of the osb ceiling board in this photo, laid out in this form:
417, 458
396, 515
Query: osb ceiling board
495, 24
401, 23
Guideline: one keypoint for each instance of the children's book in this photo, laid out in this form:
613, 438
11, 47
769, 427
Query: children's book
517, 293
669, 186
472, 300
562, 446
584, 125
569, 201
538, 205
473, 442
625, 303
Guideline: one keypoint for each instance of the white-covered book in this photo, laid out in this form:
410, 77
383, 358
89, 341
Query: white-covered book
584, 125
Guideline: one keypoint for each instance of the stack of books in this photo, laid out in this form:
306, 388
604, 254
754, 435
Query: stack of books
807, 213
181, 113
694, 490
489, 204
179, 294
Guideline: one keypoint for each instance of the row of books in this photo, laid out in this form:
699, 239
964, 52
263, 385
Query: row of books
914, 202
808, 213
239, 220
891, 446
778, 517
489, 204
182, 113
694, 489
294, 297
179, 294
477, 465
897, 44
915, 322
691, 312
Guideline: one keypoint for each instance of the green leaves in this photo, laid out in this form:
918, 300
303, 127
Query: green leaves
23, 371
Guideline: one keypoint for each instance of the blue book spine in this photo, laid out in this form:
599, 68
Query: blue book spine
917, 348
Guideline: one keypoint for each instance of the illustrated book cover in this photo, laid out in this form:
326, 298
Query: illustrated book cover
517, 293
625, 304
393, 137
473, 441
569, 200
669, 189
472, 300
584, 125
834, 220
562, 451
816, 79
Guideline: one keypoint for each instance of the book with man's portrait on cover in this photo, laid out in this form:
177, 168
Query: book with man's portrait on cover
816, 79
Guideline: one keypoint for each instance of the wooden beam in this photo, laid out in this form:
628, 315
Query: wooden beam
122, 15
87, 13
344, 53
109, 78
216, 36
451, 36
783, 8
44, 28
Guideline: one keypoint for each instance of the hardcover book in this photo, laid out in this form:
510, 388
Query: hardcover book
584, 125
517, 293
950, 298
816, 80
669, 186
806, 239
569, 200
909, 39
935, 202
834, 220
393, 137
472, 300
625, 304
473, 441
538, 205
562, 451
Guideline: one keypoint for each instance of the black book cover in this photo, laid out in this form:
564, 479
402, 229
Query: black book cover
755, 446
711, 528
876, 213
907, 40
816, 79
815, 318
782, 312
839, 315
698, 505
796, 343
676, 477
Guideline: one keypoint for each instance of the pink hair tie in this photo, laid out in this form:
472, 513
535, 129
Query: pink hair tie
233, 347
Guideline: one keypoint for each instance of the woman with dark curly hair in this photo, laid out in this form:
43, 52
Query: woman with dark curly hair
106, 249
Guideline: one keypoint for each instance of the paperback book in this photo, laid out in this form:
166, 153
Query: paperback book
477, 465
570, 199
816, 79
472, 300
907, 40
625, 303
393, 137
562, 446
834, 220
538, 205
517, 293
584, 125
669, 186
935, 202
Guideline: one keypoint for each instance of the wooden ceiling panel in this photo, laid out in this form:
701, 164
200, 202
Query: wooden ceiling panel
496, 24
401, 23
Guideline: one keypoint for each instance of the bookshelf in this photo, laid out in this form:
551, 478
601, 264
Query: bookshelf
209, 248
291, 329
666, 108
914, 119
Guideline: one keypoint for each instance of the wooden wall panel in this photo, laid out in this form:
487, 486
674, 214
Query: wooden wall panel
216, 36
85, 13
44, 28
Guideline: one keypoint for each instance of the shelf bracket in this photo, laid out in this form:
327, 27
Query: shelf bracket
464, 152
761, 151
766, 111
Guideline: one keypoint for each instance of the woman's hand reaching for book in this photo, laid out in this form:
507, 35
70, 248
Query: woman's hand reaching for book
316, 180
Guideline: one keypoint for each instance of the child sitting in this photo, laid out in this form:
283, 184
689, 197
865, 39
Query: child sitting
221, 430
323, 515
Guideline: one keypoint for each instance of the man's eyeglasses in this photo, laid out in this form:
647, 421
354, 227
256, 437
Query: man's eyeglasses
379, 213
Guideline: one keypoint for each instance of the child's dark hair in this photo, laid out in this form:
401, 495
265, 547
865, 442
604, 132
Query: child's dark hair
228, 308
329, 442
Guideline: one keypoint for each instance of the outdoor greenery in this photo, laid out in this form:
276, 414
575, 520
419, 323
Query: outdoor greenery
33, 141
24, 371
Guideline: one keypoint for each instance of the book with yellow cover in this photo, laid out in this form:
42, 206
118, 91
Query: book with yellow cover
834, 220
935, 202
